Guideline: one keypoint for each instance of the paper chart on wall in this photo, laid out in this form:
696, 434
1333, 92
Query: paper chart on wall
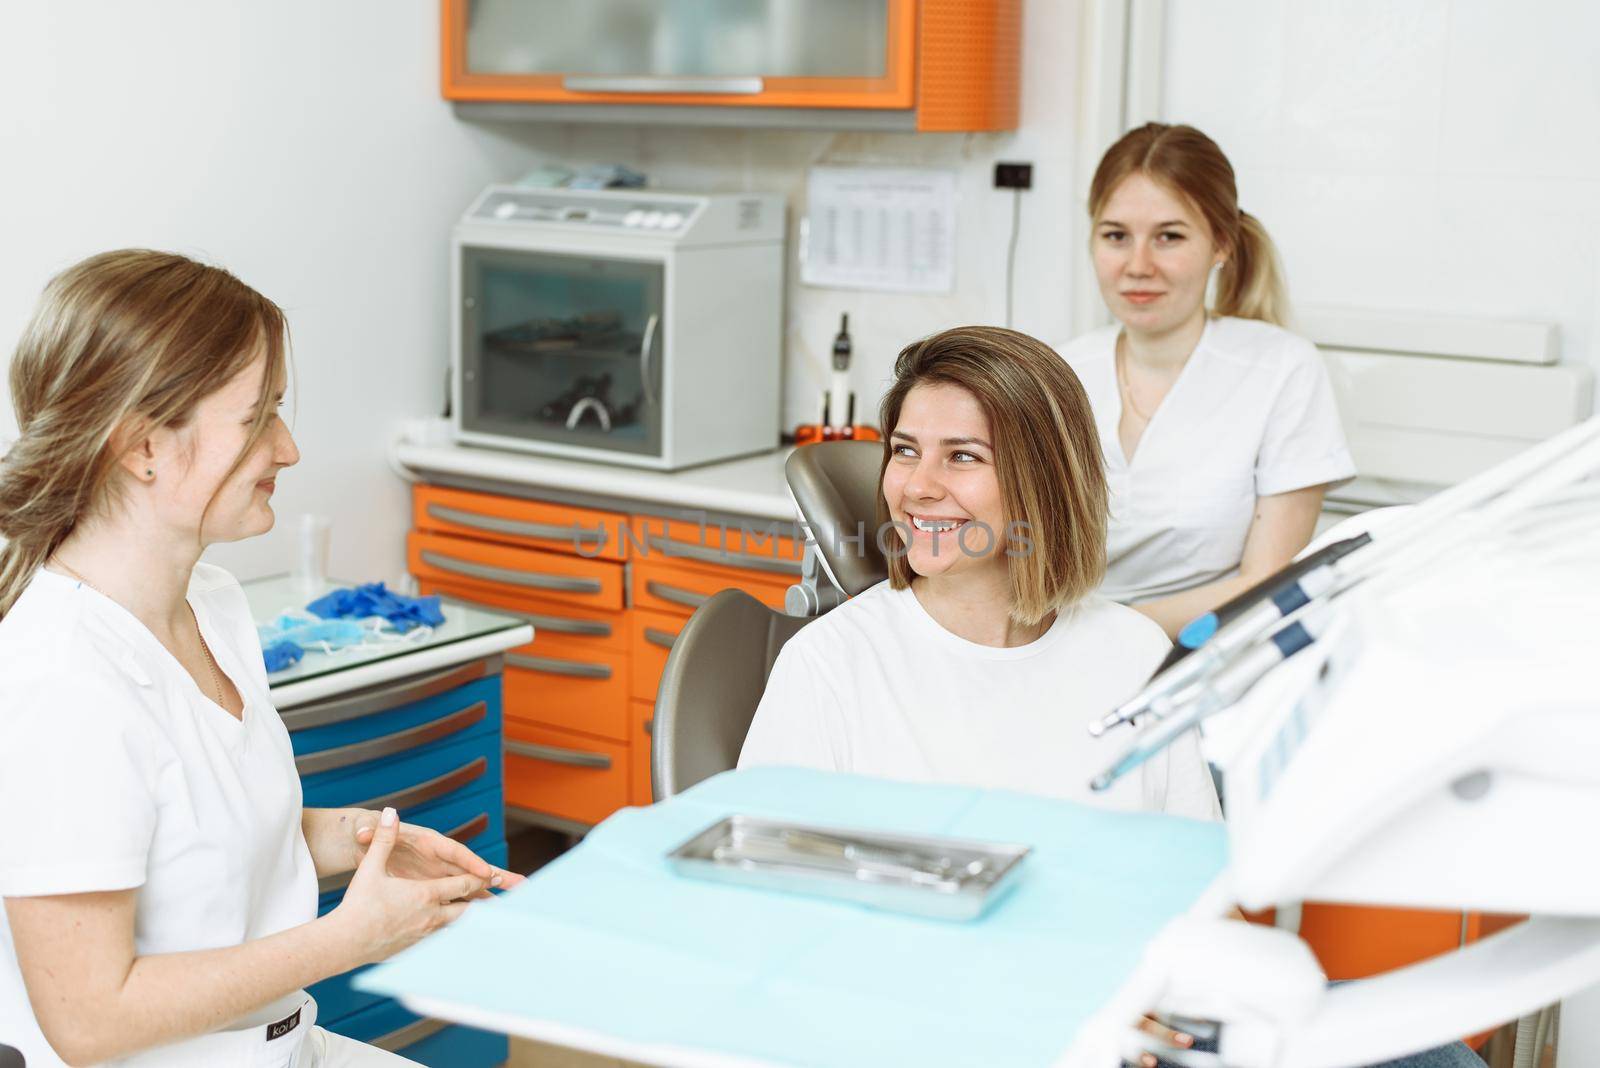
880, 228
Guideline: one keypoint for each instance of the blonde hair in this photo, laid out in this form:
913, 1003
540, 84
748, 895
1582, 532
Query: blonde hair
123, 340
1047, 458
1250, 284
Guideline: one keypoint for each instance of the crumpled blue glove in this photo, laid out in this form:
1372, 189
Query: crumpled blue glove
281, 654
375, 599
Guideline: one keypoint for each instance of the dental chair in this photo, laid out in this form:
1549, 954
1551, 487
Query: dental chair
719, 664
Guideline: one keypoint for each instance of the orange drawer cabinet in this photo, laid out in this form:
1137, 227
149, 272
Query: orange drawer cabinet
567, 775
642, 715
607, 594
653, 634
551, 619
674, 588
531, 524
501, 568
569, 685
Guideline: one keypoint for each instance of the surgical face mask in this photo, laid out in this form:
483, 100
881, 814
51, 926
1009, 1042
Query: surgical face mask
324, 634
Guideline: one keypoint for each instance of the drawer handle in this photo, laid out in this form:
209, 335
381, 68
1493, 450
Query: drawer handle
576, 533
409, 1035
463, 834
530, 579
737, 85
676, 594
390, 744
663, 638
381, 698
555, 624
559, 625
650, 727
423, 792
547, 665
470, 829
577, 758
724, 557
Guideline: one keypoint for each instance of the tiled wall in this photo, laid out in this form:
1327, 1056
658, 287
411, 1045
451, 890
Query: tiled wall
882, 323
1427, 155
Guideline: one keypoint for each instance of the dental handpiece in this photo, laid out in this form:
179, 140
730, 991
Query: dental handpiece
1207, 698
1233, 626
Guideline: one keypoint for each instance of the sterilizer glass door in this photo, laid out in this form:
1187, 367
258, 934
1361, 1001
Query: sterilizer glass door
562, 349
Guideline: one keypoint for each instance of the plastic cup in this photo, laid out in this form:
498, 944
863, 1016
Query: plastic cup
312, 538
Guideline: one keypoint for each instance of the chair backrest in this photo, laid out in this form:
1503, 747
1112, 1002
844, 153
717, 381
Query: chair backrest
835, 483
713, 681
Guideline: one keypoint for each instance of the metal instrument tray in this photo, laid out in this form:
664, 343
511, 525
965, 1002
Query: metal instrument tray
937, 877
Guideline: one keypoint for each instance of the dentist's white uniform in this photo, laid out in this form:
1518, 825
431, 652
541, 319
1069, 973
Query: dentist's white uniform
1251, 415
119, 773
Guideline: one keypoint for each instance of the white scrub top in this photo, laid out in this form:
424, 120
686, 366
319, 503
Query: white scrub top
878, 687
1252, 414
119, 772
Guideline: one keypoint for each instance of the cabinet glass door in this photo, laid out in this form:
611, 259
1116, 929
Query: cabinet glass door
773, 52
562, 349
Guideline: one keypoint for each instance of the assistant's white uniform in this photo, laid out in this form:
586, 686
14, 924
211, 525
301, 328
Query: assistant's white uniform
878, 687
1252, 414
120, 773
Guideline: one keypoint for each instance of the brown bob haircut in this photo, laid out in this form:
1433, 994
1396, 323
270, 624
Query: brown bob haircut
1047, 458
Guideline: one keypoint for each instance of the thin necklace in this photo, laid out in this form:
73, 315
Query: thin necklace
211, 661
1122, 384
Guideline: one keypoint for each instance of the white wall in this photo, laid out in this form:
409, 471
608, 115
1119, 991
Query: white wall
303, 145
1428, 155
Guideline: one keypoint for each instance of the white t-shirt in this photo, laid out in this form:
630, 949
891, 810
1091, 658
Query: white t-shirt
878, 687
1252, 414
120, 773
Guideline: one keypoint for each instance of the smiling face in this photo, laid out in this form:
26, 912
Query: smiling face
941, 486
1153, 254
192, 462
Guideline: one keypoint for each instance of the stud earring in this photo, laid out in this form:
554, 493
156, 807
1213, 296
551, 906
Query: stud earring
148, 473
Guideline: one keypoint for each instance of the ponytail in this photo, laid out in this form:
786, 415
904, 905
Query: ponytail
38, 509
1250, 283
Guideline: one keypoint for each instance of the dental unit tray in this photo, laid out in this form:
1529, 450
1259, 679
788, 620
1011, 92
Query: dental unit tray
936, 877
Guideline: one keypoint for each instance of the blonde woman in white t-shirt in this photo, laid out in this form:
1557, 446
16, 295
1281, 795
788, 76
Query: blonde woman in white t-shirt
159, 872
986, 652
1218, 425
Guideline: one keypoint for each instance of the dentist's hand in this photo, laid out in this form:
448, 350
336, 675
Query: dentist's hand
382, 913
423, 853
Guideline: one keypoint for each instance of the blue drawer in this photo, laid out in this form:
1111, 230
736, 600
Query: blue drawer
468, 759
451, 1047
336, 999
394, 720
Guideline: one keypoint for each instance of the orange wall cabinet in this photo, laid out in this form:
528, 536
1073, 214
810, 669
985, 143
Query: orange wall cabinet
607, 593
931, 65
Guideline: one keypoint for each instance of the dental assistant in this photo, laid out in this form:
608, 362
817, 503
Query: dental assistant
1219, 426
159, 874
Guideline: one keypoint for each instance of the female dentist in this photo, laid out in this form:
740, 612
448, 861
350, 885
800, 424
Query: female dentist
1219, 428
159, 872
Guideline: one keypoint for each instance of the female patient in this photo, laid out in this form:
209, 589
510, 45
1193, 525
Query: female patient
985, 653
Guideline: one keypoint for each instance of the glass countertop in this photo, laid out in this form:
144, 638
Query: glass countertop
271, 597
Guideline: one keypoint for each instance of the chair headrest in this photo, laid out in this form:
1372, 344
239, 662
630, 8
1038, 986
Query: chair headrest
836, 485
